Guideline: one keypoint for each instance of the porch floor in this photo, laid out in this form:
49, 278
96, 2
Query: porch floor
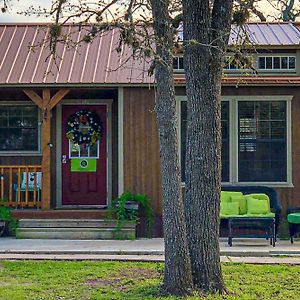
91, 249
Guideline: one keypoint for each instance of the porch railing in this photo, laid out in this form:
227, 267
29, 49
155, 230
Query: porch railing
20, 186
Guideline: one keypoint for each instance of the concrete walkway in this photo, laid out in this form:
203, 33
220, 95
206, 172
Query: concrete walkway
243, 250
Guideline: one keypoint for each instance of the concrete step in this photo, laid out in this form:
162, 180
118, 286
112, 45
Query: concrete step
70, 223
75, 233
74, 229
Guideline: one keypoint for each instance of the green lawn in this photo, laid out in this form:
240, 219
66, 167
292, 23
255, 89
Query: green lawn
115, 280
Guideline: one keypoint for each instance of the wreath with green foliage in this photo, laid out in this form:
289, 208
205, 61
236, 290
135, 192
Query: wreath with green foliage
86, 118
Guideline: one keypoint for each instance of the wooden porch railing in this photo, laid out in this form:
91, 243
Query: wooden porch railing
20, 186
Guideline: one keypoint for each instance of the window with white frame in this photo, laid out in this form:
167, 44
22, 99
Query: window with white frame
277, 63
19, 128
256, 148
178, 63
262, 139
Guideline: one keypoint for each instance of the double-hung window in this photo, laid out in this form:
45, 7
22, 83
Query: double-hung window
19, 128
255, 139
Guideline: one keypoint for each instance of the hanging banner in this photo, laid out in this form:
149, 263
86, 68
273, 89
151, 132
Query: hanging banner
83, 165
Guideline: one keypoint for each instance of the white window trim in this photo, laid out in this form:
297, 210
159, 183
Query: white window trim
24, 152
276, 55
233, 138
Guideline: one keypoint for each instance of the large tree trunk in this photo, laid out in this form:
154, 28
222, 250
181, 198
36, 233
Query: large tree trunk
177, 275
206, 37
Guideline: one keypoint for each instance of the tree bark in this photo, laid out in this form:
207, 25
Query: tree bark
206, 36
177, 275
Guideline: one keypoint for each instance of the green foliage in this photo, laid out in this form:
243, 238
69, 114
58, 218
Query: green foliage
122, 209
53, 280
11, 223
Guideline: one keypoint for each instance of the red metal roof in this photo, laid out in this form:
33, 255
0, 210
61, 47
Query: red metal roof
86, 63
98, 62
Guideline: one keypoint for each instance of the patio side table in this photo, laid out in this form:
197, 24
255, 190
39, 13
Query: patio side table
267, 225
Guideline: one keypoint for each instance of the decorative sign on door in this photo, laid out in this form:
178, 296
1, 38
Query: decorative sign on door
84, 132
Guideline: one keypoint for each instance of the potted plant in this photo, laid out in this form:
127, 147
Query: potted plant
127, 207
8, 224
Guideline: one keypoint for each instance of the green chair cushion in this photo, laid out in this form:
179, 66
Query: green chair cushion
256, 206
261, 197
229, 208
241, 199
294, 218
225, 195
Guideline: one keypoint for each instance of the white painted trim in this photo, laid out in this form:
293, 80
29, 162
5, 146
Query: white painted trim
233, 138
108, 103
120, 140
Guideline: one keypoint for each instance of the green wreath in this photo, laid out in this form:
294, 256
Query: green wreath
88, 118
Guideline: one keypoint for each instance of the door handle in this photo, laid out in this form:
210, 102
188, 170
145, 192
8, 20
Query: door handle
64, 159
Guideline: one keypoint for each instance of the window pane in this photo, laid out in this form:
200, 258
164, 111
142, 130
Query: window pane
18, 128
262, 63
175, 63
292, 63
181, 67
276, 62
262, 141
269, 62
284, 62
225, 139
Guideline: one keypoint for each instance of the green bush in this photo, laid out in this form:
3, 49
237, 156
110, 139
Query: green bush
11, 223
123, 213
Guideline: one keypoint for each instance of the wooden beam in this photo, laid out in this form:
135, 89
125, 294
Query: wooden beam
46, 104
33, 96
58, 97
46, 153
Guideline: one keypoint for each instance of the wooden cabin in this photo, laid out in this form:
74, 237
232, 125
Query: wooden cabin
40, 97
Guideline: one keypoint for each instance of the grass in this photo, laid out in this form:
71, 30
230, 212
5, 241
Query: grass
59, 280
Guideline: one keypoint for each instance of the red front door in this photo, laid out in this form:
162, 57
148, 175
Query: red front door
81, 187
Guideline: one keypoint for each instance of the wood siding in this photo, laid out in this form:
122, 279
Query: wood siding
141, 148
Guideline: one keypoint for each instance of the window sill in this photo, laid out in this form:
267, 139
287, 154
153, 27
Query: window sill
20, 153
269, 184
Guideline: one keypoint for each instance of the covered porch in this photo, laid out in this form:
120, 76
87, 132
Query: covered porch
36, 155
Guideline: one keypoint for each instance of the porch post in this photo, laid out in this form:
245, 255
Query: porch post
46, 155
46, 104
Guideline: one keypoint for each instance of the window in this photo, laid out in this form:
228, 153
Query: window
255, 140
262, 141
19, 128
277, 62
178, 63
225, 139
231, 64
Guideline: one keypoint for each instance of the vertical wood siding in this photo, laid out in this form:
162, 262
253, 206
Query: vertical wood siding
141, 146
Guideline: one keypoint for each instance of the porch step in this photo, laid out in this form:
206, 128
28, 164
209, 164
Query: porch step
95, 214
81, 229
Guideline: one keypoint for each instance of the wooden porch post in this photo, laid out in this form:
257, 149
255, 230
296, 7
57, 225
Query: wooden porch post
46, 104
